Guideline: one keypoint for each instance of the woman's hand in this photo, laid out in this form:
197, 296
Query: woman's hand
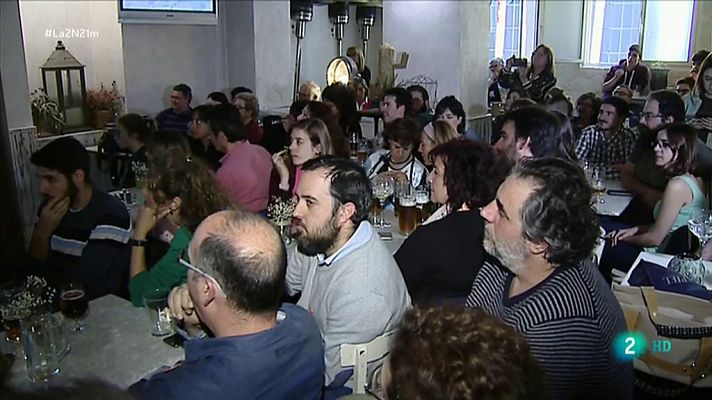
146, 220
282, 170
621, 234
522, 72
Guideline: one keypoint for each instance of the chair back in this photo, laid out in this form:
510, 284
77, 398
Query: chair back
483, 126
359, 355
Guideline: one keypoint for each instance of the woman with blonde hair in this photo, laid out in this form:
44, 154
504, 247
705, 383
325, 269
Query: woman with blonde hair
434, 134
356, 54
309, 139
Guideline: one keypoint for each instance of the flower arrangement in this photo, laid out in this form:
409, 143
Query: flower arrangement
106, 100
280, 210
36, 297
46, 111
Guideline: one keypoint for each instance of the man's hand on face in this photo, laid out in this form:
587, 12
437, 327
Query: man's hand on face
52, 213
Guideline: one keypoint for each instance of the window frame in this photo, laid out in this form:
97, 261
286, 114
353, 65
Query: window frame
528, 21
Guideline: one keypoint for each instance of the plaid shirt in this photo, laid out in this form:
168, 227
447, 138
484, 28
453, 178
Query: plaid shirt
593, 147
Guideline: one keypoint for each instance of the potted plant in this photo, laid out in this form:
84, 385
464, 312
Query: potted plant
46, 114
106, 104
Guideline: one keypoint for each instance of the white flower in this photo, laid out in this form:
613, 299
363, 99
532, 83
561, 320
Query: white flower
280, 210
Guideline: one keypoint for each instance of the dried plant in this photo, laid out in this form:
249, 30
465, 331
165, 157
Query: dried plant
36, 297
103, 99
280, 210
46, 109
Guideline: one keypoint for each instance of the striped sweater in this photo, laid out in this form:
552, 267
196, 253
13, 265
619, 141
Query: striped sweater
569, 320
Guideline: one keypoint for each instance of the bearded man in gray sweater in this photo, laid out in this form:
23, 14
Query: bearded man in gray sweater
348, 279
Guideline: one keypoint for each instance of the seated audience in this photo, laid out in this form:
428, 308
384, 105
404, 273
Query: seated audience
420, 109
698, 105
248, 107
560, 103
684, 195
309, 139
342, 101
356, 54
629, 72
623, 92
696, 62
396, 104
295, 111
536, 79
495, 70
543, 230
450, 110
183, 191
326, 113
176, 118
309, 91
81, 234
454, 353
529, 133
237, 90
245, 170
402, 135
685, 85
348, 279
133, 134
567, 144
201, 143
513, 95
439, 260
260, 349
358, 85
524, 102
434, 134
607, 144
216, 99
587, 107
634, 110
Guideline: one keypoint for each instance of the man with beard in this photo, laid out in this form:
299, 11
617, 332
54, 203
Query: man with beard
640, 175
542, 230
530, 132
81, 234
348, 279
608, 144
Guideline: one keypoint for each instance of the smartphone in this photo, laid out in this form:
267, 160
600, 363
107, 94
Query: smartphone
175, 340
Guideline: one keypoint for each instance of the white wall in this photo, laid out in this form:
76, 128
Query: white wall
96, 41
319, 45
273, 85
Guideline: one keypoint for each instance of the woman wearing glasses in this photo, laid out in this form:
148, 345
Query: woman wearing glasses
684, 195
183, 191
249, 107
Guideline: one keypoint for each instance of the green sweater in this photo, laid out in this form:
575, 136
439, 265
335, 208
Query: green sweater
166, 274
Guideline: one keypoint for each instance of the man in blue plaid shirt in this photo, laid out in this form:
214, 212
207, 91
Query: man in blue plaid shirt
608, 143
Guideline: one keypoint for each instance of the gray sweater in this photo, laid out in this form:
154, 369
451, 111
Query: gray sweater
356, 298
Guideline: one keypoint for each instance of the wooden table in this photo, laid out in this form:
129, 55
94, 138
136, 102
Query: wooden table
116, 346
613, 204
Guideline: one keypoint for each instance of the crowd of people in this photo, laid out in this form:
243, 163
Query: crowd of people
495, 295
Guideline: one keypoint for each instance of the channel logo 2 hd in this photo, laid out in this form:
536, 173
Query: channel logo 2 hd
630, 345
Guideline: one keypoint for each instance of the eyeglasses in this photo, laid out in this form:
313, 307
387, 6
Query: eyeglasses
648, 115
182, 260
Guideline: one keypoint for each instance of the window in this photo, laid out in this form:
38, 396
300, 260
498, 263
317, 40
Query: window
661, 27
512, 27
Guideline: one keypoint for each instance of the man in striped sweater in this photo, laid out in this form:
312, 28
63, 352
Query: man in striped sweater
542, 230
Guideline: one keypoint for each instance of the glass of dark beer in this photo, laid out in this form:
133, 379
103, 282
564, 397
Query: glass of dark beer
73, 304
408, 214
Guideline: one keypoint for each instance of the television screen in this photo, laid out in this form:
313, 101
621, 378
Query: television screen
188, 12
207, 6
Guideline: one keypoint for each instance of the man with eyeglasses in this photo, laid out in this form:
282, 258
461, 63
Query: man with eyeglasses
640, 175
348, 279
259, 349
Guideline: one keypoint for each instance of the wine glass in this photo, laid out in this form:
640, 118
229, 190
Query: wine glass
701, 226
73, 304
383, 187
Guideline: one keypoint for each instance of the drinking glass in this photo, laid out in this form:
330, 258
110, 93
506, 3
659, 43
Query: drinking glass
701, 226
407, 219
40, 344
382, 187
422, 198
156, 303
73, 304
11, 315
598, 184
362, 151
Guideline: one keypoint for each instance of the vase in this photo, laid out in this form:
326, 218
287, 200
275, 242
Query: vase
101, 118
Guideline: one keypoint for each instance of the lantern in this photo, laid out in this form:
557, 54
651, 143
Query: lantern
64, 82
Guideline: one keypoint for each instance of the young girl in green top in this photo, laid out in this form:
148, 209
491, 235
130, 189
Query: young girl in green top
182, 190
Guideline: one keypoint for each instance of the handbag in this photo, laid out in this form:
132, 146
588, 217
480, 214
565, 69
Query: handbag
684, 321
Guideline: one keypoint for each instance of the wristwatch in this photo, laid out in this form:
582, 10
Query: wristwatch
138, 243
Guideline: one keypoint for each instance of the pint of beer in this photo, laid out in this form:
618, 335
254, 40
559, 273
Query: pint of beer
422, 198
408, 215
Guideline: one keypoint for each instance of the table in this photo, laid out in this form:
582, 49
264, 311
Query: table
663, 260
613, 205
394, 244
116, 346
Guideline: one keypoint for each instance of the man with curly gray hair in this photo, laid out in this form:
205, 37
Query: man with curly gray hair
542, 230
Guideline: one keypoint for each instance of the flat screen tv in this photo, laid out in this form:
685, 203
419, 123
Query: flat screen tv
186, 12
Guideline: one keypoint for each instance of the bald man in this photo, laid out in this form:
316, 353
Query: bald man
259, 349
309, 91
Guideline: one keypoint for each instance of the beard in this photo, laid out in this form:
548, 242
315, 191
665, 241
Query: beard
317, 242
512, 255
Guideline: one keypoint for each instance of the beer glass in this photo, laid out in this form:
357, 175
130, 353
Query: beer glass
41, 346
422, 198
408, 214
73, 304
156, 303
